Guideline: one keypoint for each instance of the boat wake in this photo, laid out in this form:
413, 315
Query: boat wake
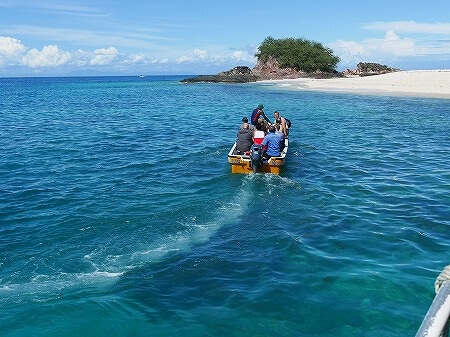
196, 232
274, 180
106, 268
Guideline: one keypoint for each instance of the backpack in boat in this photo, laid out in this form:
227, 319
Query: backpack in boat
288, 122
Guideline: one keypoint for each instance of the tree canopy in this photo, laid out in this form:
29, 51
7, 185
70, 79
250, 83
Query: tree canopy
300, 54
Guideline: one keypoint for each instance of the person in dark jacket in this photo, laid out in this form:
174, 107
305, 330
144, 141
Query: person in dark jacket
244, 139
256, 113
245, 122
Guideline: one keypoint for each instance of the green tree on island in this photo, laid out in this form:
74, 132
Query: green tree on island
299, 54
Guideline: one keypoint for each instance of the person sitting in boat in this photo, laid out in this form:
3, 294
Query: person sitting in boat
258, 134
245, 124
271, 144
282, 122
281, 135
262, 125
256, 113
244, 140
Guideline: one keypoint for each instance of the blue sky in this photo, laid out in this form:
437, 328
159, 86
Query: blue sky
78, 37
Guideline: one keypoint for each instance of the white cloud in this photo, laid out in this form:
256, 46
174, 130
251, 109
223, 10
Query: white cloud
392, 44
386, 49
104, 56
82, 58
154, 61
10, 47
50, 56
14, 53
402, 40
410, 27
201, 54
142, 38
201, 57
136, 59
142, 59
183, 59
196, 56
243, 55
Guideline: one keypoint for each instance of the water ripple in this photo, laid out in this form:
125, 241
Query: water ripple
116, 202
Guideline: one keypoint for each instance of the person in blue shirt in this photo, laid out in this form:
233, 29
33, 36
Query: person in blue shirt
281, 135
271, 144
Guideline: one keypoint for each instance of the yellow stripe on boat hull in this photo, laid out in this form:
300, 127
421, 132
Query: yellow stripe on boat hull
243, 166
242, 163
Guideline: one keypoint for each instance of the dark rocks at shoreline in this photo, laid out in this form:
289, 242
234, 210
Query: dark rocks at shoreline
240, 74
267, 71
270, 70
368, 69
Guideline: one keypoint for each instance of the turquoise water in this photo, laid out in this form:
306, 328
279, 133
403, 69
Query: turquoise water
119, 215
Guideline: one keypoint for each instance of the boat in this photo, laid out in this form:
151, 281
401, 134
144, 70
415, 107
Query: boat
142, 76
252, 161
436, 322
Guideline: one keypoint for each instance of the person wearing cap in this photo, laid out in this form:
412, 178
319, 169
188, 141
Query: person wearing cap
256, 113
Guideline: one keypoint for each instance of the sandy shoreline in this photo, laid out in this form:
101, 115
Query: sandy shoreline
419, 83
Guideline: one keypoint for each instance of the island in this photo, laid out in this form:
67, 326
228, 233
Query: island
290, 58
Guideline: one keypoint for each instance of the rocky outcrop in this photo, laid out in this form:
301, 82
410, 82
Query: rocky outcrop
237, 71
368, 69
271, 70
239, 74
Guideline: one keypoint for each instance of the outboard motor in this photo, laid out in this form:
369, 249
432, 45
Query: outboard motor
256, 153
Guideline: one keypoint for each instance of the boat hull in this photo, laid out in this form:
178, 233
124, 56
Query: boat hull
242, 163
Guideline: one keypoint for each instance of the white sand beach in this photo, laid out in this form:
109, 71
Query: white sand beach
420, 83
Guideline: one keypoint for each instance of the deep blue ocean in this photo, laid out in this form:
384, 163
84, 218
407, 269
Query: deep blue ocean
119, 215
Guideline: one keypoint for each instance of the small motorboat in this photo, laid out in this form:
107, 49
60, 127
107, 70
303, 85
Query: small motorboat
253, 161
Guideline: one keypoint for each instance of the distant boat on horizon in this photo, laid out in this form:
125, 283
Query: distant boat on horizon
141, 76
